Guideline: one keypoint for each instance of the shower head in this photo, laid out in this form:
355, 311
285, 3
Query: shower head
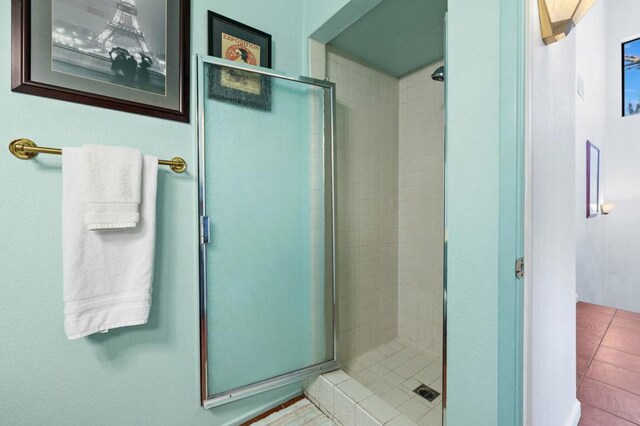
438, 75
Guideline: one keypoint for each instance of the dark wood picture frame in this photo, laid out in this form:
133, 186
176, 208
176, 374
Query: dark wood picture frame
593, 174
217, 89
21, 81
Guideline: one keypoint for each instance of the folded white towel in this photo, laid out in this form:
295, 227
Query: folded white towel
112, 179
108, 274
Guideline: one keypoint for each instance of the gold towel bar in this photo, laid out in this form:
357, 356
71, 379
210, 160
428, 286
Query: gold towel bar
26, 149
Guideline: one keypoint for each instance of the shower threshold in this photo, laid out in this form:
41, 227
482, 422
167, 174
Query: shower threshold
378, 388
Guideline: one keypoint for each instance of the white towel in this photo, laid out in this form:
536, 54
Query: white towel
107, 274
112, 179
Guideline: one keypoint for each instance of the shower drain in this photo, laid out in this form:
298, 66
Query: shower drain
426, 392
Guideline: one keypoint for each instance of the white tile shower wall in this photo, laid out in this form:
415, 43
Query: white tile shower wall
421, 209
367, 192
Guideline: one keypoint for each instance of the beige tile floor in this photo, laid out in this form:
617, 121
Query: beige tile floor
392, 371
302, 413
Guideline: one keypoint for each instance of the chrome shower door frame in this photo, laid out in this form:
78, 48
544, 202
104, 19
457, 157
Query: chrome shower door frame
210, 401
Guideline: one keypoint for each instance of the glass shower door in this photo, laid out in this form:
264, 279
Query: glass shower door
267, 238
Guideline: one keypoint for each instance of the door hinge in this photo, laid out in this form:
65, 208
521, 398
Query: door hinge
205, 230
520, 268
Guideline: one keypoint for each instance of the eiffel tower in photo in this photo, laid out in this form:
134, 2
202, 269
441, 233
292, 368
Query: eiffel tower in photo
124, 24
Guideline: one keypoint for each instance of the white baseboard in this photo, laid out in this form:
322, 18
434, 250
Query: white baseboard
574, 417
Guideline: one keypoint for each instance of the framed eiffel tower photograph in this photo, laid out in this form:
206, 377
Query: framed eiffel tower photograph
128, 55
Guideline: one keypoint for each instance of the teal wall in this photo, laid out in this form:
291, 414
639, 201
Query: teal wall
473, 200
418, 36
317, 13
134, 376
149, 374
325, 19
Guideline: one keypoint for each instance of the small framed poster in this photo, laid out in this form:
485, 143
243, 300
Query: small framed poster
631, 77
234, 41
129, 55
593, 180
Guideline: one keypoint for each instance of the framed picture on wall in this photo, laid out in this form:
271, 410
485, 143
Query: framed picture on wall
593, 180
234, 41
631, 77
129, 55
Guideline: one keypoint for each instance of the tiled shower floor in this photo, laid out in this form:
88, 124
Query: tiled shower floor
392, 371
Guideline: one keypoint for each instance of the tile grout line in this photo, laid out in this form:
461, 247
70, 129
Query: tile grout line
614, 415
591, 359
589, 366
613, 386
596, 351
395, 387
620, 350
615, 365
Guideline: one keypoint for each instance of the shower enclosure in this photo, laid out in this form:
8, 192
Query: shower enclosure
266, 204
390, 228
317, 252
